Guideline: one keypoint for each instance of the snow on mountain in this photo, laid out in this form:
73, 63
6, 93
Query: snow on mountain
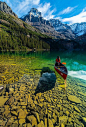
79, 28
51, 27
35, 12
58, 25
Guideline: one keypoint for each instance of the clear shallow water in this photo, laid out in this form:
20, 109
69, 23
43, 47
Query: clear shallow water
20, 70
29, 61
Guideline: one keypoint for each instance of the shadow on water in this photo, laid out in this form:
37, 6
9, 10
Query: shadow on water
46, 81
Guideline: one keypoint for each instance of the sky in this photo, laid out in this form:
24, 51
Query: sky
67, 11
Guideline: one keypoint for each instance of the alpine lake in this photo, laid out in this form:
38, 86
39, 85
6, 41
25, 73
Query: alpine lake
20, 73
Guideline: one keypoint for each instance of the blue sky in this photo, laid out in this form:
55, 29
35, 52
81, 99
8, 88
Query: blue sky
67, 11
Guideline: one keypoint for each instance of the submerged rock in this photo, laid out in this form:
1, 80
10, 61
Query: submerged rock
2, 100
74, 99
46, 82
32, 120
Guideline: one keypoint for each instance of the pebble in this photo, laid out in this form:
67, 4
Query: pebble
52, 108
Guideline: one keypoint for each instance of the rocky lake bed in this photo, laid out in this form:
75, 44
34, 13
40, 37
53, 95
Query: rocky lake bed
21, 107
24, 102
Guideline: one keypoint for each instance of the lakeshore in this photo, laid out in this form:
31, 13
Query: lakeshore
53, 108
19, 106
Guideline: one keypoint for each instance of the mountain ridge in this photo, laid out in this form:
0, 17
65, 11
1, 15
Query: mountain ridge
5, 8
76, 29
16, 34
48, 27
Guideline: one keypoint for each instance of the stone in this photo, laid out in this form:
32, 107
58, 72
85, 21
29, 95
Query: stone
10, 101
36, 115
9, 123
50, 123
45, 122
11, 90
63, 119
41, 124
32, 120
74, 99
6, 93
84, 120
2, 100
53, 120
14, 125
6, 113
62, 125
1, 110
2, 123
14, 108
76, 109
14, 113
29, 125
21, 121
23, 103
22, 114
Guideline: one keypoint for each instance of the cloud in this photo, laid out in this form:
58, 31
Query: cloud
44, 8
36, 2
46, 11
50, 15
67, 10
81, 17
23, 7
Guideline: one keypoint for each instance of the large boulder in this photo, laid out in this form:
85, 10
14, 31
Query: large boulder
46, 82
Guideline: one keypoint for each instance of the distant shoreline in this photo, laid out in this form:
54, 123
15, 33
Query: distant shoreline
27, 50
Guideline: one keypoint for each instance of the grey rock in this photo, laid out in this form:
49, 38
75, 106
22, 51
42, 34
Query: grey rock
51, 27
5, 8
46, 82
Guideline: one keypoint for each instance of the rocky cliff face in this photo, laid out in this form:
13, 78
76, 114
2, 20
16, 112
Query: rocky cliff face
5, 8
51, 27
34, 17
79, 28
62, 28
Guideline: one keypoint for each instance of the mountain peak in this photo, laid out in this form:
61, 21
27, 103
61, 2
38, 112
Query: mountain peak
5, 8
34, 12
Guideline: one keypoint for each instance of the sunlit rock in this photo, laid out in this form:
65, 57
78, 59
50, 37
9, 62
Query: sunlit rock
2, 100
63, 119
21, 121
29, 125
84, 120
41, 124
50, 123
74, 99
32, 120
22, 114
76, 109
36, 115
14, 113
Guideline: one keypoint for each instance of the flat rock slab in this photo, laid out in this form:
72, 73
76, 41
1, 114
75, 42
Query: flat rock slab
2, 100
74, 99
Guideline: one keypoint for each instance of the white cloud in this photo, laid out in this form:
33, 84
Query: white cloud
76, 19
24, 6
67, 10
36, 2
50, 15
46, 11
44, 8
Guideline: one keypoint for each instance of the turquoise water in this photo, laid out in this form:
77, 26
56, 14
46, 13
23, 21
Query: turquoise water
75, 61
